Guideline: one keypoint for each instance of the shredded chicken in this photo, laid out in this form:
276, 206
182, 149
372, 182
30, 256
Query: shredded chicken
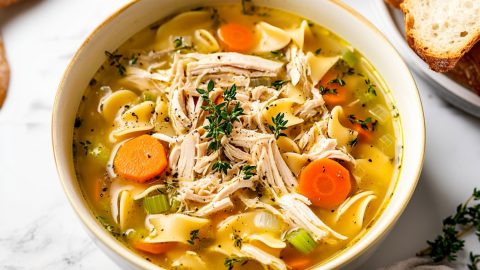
295, 207
263, 257
235, 63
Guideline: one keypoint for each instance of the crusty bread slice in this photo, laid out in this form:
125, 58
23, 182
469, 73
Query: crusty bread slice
394, 3
442, 31
4, 73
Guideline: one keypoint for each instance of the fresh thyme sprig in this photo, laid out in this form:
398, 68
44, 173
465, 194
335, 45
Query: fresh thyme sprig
220, 120
248, 171
220, 117
114, 59
279, 124
446, 245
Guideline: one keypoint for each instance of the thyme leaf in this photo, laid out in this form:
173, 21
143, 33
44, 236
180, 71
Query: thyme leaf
114, 59
447, 244
248, 171
279, 124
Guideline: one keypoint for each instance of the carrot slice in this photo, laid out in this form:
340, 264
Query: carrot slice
236, 37
363, 134
141, 159
325, 182
364, 128
153, 248
298, 262
333, 92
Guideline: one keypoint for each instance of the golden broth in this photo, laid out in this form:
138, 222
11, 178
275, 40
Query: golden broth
93, 142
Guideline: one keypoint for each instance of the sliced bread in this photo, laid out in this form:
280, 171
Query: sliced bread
394, 3
442, 31
4, 73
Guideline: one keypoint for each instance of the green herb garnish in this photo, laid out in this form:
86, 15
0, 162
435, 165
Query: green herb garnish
363, 123
340, 81
237, 240
353, 142
231, 261
177, 42
115, 60
371, 87
279, 124
279, 83
446, 245
221, 166
247, 7
220, 117
326, 90
193, 236
318, 51
248, 171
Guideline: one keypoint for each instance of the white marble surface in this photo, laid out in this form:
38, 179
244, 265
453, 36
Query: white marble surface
38, 228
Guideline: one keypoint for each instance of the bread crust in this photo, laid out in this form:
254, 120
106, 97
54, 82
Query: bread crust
4, 73
6, 3
394, 3
437, 62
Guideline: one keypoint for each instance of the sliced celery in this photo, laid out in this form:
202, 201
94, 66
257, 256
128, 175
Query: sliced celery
149, 96
156, 204
350, 58
301, 240
100, 153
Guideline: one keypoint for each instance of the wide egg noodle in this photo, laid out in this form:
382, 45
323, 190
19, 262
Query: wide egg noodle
165, 228
301, 34
271, 38
135, 119
320, 65
336, 130
285, 106
111, 104
183, 24
205, 42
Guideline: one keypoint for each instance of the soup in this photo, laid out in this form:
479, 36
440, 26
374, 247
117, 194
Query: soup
233, 137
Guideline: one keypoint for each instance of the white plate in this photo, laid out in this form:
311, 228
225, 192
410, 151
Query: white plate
392, 24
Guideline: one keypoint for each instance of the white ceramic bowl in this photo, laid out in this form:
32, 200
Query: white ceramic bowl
331, 14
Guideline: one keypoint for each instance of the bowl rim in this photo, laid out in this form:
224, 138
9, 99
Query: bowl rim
84, 212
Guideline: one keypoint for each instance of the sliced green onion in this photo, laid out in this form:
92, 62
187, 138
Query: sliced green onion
156, 204
350, 58
302, 241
